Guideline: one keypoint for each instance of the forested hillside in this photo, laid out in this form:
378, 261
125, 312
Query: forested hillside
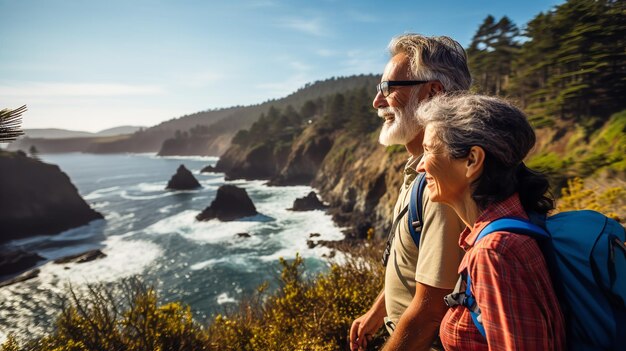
566, 69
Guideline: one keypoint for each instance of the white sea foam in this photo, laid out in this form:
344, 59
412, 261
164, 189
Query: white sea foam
117, 217
122, 260
194, 158
101, 193
213, 231
169, 208
212, 182
241, 262
224, 298
125, 195
122, 176
151, 187
100, 205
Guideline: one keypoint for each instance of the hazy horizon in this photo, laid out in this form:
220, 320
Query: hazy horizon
92, 65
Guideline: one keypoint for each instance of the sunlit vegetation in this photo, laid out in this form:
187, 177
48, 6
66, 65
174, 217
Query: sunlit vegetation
611, 202
302, 314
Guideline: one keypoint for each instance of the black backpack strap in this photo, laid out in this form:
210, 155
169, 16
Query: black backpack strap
391, 235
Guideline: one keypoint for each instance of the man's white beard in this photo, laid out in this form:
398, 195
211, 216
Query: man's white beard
402, 130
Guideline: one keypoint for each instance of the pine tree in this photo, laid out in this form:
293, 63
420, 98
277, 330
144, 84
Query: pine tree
491, 54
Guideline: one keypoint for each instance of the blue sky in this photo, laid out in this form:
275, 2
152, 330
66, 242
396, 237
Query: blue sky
91, 65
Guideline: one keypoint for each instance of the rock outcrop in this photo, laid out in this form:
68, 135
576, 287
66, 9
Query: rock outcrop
304, 161
208, 169
22, 277
15, 261
183, 180
38, 198
82, 257
361, 182
230, 203
308, 203
258, 162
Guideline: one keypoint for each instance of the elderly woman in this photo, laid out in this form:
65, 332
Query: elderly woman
473, 151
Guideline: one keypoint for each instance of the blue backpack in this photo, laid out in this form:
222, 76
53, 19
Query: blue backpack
586, 255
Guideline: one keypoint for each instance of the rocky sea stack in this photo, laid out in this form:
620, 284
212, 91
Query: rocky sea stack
183, 180
230, 203
208, 169
308, 203
38, 198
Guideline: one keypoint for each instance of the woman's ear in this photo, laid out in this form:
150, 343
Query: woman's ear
475, 162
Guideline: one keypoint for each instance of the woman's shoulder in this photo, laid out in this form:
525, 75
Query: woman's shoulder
505, 243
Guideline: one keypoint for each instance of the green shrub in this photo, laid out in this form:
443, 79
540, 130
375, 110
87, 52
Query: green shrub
303, 314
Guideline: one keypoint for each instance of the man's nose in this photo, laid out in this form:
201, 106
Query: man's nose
379, 101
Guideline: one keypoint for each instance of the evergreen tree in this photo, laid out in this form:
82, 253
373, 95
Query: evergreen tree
574, 64
491, 54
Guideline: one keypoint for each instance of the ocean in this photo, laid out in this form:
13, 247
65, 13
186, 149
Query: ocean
152, 233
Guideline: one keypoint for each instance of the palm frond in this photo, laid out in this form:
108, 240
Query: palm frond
10, 124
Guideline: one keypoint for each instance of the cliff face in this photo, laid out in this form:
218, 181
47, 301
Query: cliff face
360, 179
305, 157
38, 198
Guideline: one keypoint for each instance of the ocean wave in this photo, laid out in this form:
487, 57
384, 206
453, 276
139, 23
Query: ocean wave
212, 159
121, 261
100, 193
151, 187
213, 231
121, 176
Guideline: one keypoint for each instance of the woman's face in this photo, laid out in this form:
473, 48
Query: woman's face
446, 176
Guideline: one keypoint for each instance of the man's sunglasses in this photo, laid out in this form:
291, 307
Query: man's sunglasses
383, 87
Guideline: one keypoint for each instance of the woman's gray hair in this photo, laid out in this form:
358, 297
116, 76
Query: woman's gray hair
461, 121
435, 58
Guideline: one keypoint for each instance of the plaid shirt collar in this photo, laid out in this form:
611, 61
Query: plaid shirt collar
511, 207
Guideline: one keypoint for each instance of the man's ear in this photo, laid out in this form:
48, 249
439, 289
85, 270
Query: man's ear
435, 87
475, 162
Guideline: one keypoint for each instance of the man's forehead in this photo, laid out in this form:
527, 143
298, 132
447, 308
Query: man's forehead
397, 68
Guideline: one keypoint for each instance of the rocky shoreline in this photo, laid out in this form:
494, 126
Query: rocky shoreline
359, 181
37, 199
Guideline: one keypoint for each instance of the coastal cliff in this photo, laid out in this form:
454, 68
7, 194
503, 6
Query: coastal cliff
332, 145
38, 198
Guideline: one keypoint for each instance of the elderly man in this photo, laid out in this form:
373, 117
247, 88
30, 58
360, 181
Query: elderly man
411, 304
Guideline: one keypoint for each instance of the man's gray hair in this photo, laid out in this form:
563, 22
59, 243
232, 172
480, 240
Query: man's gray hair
434, 58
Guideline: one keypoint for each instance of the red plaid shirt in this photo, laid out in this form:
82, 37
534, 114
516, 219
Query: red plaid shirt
512, 287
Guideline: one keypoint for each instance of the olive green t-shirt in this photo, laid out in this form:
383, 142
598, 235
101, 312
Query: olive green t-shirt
436, 261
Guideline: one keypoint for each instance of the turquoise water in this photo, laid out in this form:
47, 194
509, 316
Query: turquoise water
152, 233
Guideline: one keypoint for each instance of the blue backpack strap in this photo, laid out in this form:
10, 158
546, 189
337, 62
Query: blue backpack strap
514, 225
507, 224
416, 205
